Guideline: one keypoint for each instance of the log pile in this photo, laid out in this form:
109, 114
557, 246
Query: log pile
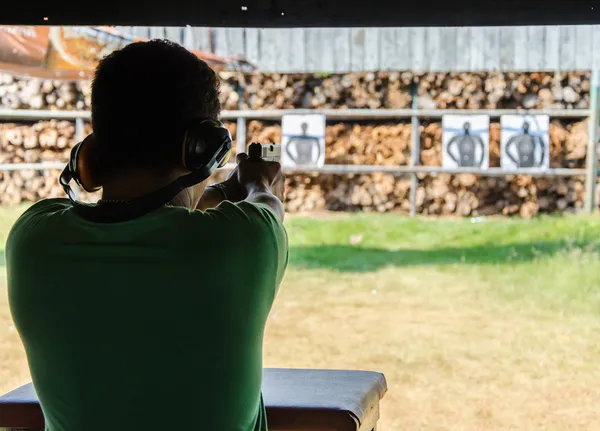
382, 144
468, 195
568, 143
43, 94
346, 143
504, 90
372, 90
44, 141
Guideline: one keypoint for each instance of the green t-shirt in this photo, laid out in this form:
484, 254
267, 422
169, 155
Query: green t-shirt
154, 323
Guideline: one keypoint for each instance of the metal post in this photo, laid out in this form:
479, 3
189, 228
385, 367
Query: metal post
79, 129
415, 153
241, 122
79, 126
241, 135
592, 150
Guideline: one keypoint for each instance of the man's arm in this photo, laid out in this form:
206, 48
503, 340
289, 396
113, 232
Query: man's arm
211, 197
258, 193
253, 181
261, 194
228, 190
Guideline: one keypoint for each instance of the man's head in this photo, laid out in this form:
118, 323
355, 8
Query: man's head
143, 97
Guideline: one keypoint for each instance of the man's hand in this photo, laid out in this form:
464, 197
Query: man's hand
230, 190
264, 182
232, 184
249, 176
256, 173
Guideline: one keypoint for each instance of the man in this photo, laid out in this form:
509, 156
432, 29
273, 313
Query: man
155, 322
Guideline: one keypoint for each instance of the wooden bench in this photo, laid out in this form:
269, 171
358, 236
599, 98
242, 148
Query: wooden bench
296, 400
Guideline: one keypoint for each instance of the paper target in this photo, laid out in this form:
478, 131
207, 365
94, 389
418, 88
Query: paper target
303, 140
525, 142
465, 141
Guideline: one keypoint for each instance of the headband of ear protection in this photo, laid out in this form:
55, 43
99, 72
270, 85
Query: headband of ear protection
206, 147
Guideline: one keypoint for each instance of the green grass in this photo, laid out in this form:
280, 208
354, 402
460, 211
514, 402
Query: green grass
553, 260
477, 326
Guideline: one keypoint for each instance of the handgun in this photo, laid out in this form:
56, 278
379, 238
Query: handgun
267, 152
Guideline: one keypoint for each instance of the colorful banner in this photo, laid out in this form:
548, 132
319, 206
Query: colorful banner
74, 52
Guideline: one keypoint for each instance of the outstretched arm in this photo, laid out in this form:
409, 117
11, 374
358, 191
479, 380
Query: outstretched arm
261, 194
211, 198
263, 181
228, 190
263, 188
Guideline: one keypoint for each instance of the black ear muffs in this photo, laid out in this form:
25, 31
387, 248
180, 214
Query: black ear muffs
205, 143
207, 146
79, 168
81, 164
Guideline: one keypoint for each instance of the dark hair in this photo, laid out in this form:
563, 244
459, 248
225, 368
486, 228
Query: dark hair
143, 96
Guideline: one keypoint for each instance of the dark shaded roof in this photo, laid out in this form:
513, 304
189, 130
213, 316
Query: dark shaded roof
301, 13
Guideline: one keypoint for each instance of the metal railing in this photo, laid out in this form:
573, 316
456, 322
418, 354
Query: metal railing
415, 115
331, 114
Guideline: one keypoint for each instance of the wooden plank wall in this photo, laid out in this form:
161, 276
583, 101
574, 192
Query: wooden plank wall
542, 48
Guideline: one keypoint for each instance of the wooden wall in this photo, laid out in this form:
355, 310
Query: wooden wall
544, 48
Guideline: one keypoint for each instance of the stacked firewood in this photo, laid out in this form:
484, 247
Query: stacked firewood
568, 143
346, 143
382, 144
504, 90
43, 94
230, 90
469, 195
45, 141
385, 143
351, 143
372, 90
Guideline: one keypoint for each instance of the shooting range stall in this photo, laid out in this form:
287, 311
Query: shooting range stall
306, 399
296, 400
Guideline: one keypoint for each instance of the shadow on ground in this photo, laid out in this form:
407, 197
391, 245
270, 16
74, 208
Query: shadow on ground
350, 258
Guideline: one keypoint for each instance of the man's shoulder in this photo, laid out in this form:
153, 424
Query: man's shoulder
41, 210
33, 220
249, 222
48, 205
247, 215
243, 211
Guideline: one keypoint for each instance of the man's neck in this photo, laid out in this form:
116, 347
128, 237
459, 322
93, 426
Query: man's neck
140, 183
134, 184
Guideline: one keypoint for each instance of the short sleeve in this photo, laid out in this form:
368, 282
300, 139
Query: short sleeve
26, 226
